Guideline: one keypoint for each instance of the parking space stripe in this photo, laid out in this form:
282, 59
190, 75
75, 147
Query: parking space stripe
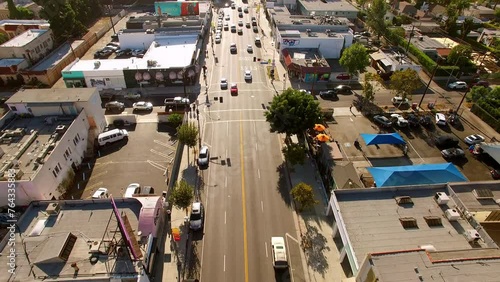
167, 156
157, 165
164, 144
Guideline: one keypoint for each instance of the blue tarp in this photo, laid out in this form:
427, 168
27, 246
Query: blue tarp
416, 174
390, 138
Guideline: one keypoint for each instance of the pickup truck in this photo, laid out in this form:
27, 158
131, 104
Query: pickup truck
176, 104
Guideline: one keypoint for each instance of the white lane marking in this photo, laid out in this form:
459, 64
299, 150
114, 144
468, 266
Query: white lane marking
225, 217
226, 153
163, 144
291, 237
227, 129
224, 263
256, 146
236, 120
416, 152
262, 206
265, 246
225, 182
254, 128
157, 165
258, 172
161, 154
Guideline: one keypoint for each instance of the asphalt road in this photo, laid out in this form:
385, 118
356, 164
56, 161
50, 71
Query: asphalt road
242, 192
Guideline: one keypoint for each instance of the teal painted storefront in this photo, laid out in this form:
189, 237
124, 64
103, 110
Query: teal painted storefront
74, 79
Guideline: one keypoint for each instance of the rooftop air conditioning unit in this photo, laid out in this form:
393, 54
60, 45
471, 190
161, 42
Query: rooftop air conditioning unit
472, 235
441, 198
452, 214
97, 64
53, 209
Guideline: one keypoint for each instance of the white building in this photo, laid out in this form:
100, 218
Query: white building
32, 45
47, 140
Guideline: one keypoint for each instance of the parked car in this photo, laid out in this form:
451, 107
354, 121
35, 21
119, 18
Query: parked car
217, 38
114, 106
482, 83
382, 121
142, 106
452, 153
399, 120
446, 141
234, 89
307, 92
132, 96
413, 120
197, 216
132, 189
440, 119
278, 250
495, 173
100, 193
425, 120
343, 89
223, 83
458, 85
257, 41
343, 76
248, 75
233, 49
255, 29
328, 94
240, 31
474, 139
203, 157
397, 100
113, 48
123, 53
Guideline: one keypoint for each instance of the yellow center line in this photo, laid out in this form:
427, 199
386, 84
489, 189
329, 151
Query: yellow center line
243, 201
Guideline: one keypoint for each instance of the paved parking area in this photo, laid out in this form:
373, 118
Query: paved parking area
421, 147
145, 159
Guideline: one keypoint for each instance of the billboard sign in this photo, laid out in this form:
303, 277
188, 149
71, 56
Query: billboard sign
178, 9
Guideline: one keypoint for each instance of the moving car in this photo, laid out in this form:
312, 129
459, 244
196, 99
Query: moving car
100, 193
397, 100
328, 94
217, 38
343, 89
113, 135
452, 153
196, 217
234, 89
203, 157
440, 119
240, 9
255, 29
114, 106
132, 96
247, 25
233, 28
278, 250
240, 22
458, 85
245, 10
248, 75
446, 141
240, 31
226, 26
249, 49
474, 139
382, 121
257, 41
223, 83
240, 15
400, 120
142, 106
233, 49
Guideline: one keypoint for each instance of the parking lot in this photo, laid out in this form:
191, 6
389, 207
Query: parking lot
146, 158
420, 140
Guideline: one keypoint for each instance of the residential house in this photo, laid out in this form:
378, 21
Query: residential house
335, 8
488, 36
481, 12
32, 45
13, 28
405, 8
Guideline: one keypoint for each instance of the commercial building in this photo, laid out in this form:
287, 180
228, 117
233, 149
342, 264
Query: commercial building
84, 240
32, 45
450, 224
339, 8
45, 139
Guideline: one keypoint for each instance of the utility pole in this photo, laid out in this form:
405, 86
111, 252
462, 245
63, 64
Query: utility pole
110, 8
428, 84
409, 39
461, 101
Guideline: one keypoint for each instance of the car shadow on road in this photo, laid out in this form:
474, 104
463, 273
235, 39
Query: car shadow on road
283, 183
314, 243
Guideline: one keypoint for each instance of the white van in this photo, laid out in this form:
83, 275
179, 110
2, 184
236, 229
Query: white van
111, 136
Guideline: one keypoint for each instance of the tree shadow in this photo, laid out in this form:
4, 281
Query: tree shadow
193, 263
314, 244
283, 183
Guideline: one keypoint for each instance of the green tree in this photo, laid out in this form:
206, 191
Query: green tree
13, 12
459, 55
477, 92
376, 17
355, 59
467, 27
175, 119
62, 18
461, 5
292, 112
403, 83
368, 89
303, 195
187, 135
25, 13
3, 38
450, 25
182, 195
294, 153
362, 3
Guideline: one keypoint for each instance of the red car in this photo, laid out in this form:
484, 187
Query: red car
343, 76
234, 89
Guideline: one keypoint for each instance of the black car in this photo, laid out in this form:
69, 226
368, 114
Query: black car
123, 53
328, 94
446, 141
495, 173
413, 120
425, 120
255, 29
114, 106
343, 89
240, 14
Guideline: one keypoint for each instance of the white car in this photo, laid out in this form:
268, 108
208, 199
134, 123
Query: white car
132, 189
217, 38
132, 96
227, 18
474, 139
223, 83
240, 23
397, 100
142, 106
196, 217
440, 119
307, 92
278, 250
100, 193
249, 49
458, 85
399, 120
248, 75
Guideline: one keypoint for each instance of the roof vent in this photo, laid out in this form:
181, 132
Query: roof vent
97, 64
452, 214
433, 220
472, 236
53, 209
441, 198
408, 222
404, 200
482, 193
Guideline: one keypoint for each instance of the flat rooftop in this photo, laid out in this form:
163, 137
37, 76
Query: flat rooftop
390, 58
471, 202
467, 265
372, 221
330, 5
53, 58
42, 252
18, 137
23, 22
51, 95
426, 43
171, 52
24, 38
308, 20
